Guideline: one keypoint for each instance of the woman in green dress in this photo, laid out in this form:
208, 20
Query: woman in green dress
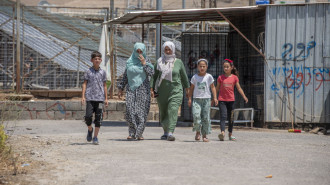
168, 81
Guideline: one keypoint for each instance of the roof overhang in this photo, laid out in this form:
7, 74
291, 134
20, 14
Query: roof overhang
184, 15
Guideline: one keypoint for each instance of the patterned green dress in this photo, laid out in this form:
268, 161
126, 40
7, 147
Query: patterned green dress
170, 95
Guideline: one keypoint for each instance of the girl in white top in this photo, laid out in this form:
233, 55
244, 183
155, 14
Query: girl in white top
200, 90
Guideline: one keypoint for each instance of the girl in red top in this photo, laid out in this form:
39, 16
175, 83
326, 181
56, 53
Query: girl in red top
226, 84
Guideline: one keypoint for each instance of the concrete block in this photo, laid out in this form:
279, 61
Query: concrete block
9, 115
38, 105
83, 107
72, 105
68, 115
27, 115
14, 105
105, 115
153, 101
151, 116
112, 106
73, 94
46, 115
153, 107
156, 116
121, 106
43, 94
56, 106
59, 115
17, 115
116, 116
56, 94
78, 115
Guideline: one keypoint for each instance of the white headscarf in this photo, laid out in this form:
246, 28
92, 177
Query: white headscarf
165, 63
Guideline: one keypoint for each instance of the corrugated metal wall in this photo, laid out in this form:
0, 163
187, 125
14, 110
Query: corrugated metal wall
297, 76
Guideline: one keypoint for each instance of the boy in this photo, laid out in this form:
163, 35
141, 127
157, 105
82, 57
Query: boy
94, 92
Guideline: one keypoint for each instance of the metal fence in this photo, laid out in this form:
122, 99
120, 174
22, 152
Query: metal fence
127, 35
249, 63
7, 46
56, 44
229, 44
210, 46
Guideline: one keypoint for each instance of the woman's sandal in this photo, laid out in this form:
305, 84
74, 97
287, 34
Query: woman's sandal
198, 137
205, 139
232, 138
130, 138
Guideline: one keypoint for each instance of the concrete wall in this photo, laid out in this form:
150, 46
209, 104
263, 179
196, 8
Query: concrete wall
63, 110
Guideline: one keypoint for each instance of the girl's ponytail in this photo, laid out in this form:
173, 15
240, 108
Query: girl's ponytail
234, 70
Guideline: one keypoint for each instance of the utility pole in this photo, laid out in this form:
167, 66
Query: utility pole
158, 31
18, 47
203, 23
213, 3
112, 9
202, 3
183, 23
140, 4
112, 69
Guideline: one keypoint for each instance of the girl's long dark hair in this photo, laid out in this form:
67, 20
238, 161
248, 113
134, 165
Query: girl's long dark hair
231, 63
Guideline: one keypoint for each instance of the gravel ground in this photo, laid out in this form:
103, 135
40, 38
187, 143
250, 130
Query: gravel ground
59, 154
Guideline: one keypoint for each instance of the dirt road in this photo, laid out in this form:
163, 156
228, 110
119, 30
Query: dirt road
56, 153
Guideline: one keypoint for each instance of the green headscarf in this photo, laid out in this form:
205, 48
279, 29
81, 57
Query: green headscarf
134, 68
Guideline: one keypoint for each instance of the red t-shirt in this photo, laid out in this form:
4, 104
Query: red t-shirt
227, 85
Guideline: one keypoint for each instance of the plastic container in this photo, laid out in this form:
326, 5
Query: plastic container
262, 2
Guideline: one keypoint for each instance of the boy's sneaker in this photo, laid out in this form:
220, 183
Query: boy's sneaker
95, 141
89, 135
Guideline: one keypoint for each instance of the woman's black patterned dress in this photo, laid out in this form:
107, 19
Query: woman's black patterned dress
137, 103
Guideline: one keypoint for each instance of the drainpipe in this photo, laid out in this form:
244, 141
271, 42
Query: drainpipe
158, 31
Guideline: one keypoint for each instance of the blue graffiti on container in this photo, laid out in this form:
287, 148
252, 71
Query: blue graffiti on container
287, 55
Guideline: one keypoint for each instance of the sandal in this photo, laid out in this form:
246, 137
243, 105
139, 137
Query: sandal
130, 138
221, 137
163, 137
232, 138
205, 139
197, 137
170, 138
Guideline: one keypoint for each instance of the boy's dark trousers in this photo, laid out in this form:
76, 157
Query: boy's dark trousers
94, 107
225, 108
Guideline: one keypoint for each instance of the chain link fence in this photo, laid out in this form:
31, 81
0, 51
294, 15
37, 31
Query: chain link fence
7, 46
56, 44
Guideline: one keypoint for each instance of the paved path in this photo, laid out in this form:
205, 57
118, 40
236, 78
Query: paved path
68, 159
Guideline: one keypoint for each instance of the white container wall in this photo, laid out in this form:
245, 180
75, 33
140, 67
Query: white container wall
297, 77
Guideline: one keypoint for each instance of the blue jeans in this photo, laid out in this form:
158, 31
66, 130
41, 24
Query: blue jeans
225, 108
